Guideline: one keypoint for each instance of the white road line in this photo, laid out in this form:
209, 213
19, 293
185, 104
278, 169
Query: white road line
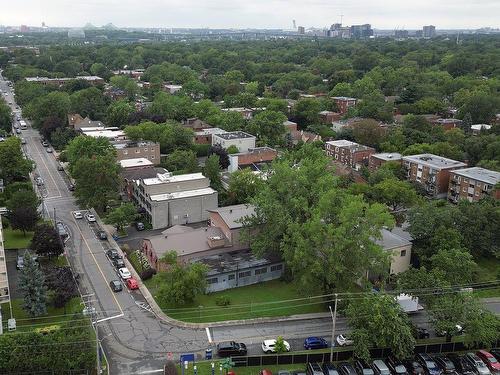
151, 371
209, 336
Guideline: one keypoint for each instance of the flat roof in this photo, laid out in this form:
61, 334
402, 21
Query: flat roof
434, 161
388, 156
234, 135
209, 131
234, 261
480, 174
166, 178
129, 144
348, 144
391, 240
104, 133
182, 194
41, 79
343, 98
232, 215
137, 162
480, 126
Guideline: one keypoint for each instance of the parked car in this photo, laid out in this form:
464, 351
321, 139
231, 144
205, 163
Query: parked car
39, 181
343, 340
119, 263
102, 235
45, 144
113, 254
380, 367
490, 360
23, 141
71, 187
18, 131
363, 368
265, 371
139, 226
330, 369
346, 368
284, 372
315, 343
313, 369
396, 366
20, 262
116, 286
60, 167
479, 366
269, 346
414, 367
77, 215
230, 348
132, 284
496, 353
61, 230
124, 273
90, 218
462, 365
428, 364
49, 150
445, 364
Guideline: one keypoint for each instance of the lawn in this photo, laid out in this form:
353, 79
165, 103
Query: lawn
253, 301
205, 368
15, 239
53, 315
489, 269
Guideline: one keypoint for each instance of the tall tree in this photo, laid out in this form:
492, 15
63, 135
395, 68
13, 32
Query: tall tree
118, 113
88, 102
13, 165
268, 127
88, 147
212, 171
243, 185
23, 207
221, 153
46, 241
60, 280
394, 193
5, 116
122, 216
32, 286
54, 104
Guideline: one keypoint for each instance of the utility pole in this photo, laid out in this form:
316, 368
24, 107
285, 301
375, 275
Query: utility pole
334, 321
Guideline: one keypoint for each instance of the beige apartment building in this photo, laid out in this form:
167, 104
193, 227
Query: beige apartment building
4, 279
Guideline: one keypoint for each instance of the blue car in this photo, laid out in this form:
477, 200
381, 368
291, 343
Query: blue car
315, 343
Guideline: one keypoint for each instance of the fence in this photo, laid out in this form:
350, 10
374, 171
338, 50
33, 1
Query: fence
343, 355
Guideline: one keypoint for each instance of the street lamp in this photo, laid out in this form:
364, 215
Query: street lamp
213, 368
334, 321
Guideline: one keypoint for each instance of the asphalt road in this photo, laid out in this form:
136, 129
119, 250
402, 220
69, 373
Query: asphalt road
133, 340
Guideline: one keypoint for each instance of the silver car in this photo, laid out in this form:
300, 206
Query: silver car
478, 364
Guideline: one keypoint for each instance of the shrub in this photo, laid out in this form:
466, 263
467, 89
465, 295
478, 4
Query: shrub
222, 301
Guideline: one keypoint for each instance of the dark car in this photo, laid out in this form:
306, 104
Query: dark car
445, 364
116, 286
363, 368
60, 167
329, 369
314, 369
71, 187
428, 364
113, 254
461, 364
231, 348
102, 235
414, 368
119, 263
139, 226
346, 368
315, 343
396, 366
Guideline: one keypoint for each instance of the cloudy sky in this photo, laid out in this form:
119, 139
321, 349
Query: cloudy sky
384, 14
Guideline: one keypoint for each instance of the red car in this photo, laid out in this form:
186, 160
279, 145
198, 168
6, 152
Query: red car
490, 360
132, 284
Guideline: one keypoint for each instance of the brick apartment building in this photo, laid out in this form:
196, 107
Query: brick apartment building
376, 160
343, 103
349, 153
204, 136
254, 156
134, 150
473, 184
431, 171
447, 123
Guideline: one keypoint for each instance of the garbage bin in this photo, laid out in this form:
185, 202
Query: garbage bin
208, 354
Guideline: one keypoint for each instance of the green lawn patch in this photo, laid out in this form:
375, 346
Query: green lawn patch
15, 239
205, 368
54, 315
489, 269
253, 301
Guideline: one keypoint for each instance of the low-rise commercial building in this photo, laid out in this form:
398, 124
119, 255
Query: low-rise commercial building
254, 156
243, 141
134, 150
473, 184
169, 200
431, 171
349, 153
376, 160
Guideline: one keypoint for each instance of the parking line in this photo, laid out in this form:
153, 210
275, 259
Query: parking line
209, 336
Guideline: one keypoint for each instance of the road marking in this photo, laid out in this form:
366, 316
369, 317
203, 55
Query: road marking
97, 264
48, 171
152, 371
208, 335
111, 317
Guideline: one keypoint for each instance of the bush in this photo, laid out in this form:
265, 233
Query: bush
201, 150
147, 274
222, 301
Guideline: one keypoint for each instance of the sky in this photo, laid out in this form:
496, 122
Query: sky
381, 14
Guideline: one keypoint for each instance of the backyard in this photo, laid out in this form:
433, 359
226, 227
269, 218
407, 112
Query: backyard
489, 269
15, 239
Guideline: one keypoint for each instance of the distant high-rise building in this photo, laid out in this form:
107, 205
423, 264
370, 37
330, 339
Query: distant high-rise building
294, 25
429, 31
361, 31
24, 29
339, 31
76, 33
401, 34
301, 30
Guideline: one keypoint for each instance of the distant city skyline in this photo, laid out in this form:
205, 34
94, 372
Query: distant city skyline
387, 14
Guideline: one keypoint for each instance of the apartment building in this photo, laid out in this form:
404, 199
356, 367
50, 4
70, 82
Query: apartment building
473, 184
170, 200
344, 103
251, 158
349, 153
93, 80
431, 171
376, 160
133, 150
204, 136
4, 279
243, 141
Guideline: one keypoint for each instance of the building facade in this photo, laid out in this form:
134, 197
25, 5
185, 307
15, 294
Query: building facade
204, 136
349, 153
93, 80
4, 279
473, 184
252, 157
429, 31
376, 160
243, 141
344, 103
142, 149
431, 171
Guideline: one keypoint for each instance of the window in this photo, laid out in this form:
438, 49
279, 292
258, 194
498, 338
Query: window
125, 152
152, 156
244, 274
146, 149
477, 194
471, 186
137, 151
213, 280
277, 267
260, 271
464, 190
231, 277
403, 253
459, 178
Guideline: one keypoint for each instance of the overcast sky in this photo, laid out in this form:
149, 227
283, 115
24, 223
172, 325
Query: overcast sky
382, 14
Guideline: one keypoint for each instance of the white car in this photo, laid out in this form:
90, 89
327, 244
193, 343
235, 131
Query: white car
39, 181
90, 218
343, 340
77, 215
124, 273
269, 346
